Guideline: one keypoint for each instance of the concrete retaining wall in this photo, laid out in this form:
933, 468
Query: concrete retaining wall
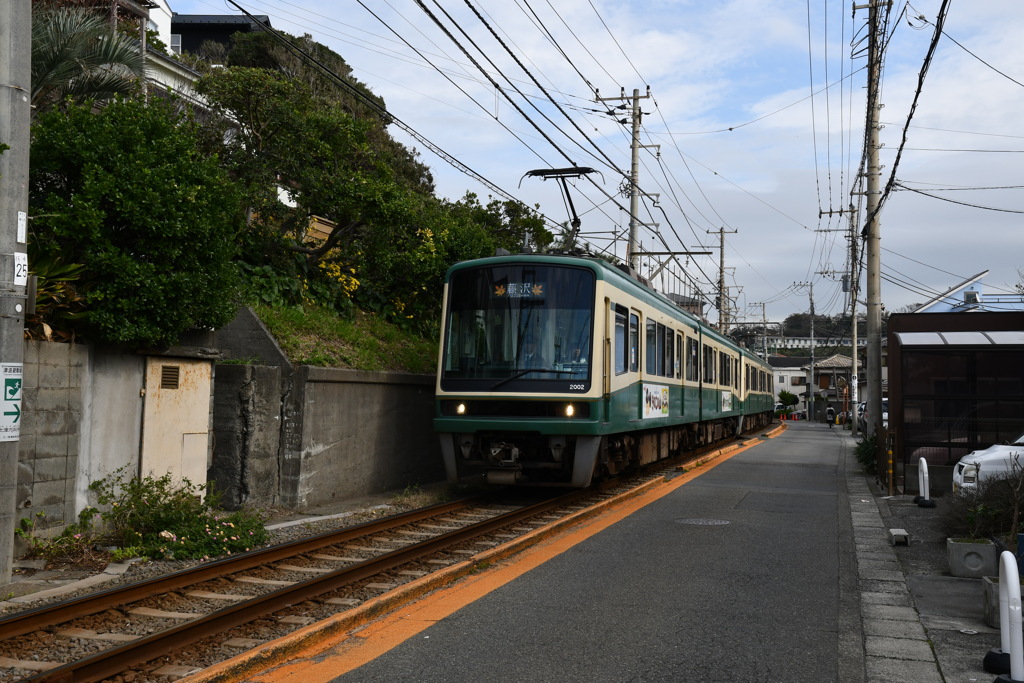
297, 438
247, 428
51, 422
358, 433
330, 436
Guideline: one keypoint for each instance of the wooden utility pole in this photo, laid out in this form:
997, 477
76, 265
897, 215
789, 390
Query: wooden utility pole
15, 114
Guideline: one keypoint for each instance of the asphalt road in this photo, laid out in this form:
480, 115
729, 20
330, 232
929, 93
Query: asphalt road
746, 573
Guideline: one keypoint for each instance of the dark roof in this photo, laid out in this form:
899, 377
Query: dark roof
788, 361
229, 19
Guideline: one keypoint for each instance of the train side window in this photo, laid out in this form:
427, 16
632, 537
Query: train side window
709, 365
692, 360
621, 351
651, 346
634, 342
659, 336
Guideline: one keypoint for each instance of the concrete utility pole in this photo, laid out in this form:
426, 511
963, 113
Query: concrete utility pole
15, 115
764, 339
632, 251
723, 299
854, 290
852, 216
810, 379
872, 229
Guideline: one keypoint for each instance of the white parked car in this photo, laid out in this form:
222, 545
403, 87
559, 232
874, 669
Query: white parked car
994, 461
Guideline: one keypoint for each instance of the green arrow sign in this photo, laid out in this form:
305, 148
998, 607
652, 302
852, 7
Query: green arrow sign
16, 412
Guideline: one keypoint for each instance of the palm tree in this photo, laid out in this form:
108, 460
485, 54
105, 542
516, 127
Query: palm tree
77, 55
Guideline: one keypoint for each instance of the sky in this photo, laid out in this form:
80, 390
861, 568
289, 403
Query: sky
752, 133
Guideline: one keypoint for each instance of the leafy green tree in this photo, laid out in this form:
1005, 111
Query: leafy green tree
301, 156
78, 57
260, 50
788, 398
126, 193
510, 224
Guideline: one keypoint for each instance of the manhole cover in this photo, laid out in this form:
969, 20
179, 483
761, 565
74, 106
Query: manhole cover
703, 522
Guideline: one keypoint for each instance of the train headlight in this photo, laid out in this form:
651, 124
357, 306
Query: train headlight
570, 410
460, 409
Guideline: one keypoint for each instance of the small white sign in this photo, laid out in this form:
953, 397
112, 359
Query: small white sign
22, 227
10, 405
20, 269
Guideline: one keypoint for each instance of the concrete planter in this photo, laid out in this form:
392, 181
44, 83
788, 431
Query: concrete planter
972, 559
990, 606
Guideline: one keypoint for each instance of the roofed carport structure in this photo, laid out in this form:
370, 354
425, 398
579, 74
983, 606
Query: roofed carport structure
956, 384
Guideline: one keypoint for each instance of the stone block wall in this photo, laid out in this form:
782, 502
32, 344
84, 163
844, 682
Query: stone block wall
49, 446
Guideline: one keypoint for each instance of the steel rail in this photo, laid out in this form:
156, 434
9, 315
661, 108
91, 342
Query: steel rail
50, 615
114, 661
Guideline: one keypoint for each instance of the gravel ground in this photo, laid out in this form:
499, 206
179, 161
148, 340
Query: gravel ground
926, 554
32, 576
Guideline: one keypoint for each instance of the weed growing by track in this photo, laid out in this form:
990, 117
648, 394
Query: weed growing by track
173, 520
152, 517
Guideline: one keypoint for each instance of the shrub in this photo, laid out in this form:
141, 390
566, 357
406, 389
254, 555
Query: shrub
866, 452
161, 519
126, 195
992, 510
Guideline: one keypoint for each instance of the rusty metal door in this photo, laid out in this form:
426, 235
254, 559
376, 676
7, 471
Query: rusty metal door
176, 419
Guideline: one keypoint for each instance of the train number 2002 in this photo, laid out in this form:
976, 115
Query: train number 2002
577, 387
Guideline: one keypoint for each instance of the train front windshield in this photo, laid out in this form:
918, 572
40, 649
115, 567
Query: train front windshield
515, 323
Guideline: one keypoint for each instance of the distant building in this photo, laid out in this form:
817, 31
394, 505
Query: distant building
832, 381
971, 296
190, 31
688, 303
779, 342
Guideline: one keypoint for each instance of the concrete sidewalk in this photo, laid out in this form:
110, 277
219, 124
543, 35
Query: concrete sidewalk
920, 624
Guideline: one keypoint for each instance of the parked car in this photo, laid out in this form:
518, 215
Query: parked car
864, 419
995, 461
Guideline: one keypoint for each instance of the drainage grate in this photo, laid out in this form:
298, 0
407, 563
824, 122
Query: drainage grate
703, 522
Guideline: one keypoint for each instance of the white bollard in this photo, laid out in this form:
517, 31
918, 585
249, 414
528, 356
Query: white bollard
1010, 629
923, 499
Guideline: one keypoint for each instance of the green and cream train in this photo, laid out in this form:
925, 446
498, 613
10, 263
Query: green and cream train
556, 370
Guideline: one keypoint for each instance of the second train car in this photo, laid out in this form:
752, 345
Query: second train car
555, 370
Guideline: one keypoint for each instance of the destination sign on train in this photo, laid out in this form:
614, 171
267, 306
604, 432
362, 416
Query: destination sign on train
519, 290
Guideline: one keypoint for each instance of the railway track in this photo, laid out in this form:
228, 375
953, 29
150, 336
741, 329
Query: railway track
186, 621
175, 625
